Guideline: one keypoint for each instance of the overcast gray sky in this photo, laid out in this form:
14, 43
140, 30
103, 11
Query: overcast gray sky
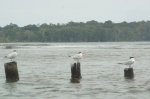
25, 12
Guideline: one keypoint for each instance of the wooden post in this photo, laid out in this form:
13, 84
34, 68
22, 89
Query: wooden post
75, 73
11, 72
128, 73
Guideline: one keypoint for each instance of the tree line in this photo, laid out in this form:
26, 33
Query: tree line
91, 31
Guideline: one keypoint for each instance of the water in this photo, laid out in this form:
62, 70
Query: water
44, 70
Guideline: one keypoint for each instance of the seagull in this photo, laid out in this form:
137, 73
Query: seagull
77, 57
129, 62
12, 55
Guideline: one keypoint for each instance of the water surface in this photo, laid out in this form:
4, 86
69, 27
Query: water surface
44, 70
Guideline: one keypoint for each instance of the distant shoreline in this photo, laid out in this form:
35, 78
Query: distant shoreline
91, 31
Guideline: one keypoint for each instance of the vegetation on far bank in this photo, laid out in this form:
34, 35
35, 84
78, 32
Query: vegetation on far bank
91, 31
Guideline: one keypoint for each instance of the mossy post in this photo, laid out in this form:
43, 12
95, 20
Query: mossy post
11, 72
128, 73
75, 73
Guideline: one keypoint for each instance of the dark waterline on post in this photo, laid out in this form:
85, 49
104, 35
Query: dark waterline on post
11, 72
75, 73
128, 73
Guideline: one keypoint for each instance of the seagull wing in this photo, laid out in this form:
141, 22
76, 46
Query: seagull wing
129, 62
12, 55
77, 56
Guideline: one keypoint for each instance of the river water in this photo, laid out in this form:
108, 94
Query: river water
44, 71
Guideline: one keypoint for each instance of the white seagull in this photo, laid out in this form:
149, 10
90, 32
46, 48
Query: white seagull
129, 62
77, 57
12, 55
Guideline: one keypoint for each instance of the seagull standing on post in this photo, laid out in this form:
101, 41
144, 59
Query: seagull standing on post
12, 55
77, 57
129, 62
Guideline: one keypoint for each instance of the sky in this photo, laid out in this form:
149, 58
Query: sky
25, 12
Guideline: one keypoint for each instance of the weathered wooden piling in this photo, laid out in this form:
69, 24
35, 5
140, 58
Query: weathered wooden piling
11, 72
75, 73
128, 73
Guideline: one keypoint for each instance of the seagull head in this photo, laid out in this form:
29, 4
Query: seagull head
131, 57
81, 53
